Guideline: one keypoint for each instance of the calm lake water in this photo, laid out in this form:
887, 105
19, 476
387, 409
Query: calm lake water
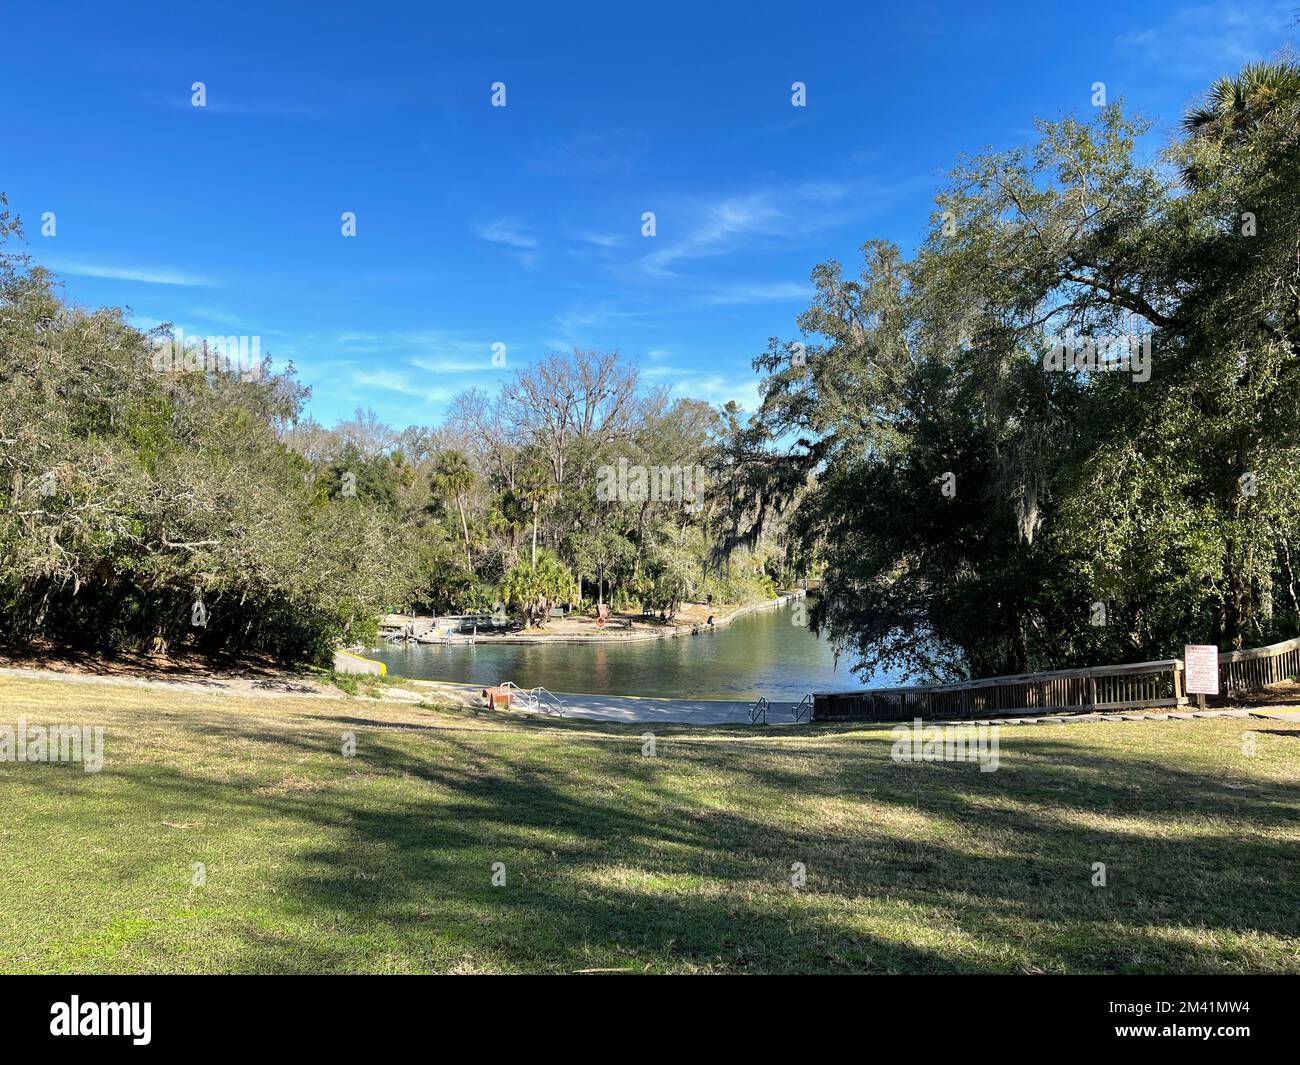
763, 653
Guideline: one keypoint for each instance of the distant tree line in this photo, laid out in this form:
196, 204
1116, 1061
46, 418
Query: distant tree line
572, 483
154, 504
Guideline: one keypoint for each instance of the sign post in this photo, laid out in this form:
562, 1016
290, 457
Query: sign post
1201, 670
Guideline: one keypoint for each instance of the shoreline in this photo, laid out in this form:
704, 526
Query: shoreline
274, 681
692, 628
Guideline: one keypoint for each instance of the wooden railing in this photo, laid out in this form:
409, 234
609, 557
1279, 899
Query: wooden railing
1134, 686
1243, 671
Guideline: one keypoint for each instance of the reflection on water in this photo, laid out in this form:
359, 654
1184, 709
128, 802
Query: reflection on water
763, 653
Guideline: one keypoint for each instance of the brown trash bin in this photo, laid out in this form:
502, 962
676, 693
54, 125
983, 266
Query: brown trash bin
497, 695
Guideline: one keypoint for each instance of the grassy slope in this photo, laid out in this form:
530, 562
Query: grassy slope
382, 862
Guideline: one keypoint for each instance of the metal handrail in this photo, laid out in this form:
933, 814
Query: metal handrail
804, 709
539, 699
759, 709
547, 702
523, 696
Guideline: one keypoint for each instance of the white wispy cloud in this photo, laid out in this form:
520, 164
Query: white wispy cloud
403, 383
223, 317
143, 275
740, 293
404, 360
514, 235
602, 240
431, 345
589, 152
218, 102
764, 218
204, 321
720, 227
716, 388
442, 365
592, 324
507, 231
1208, 40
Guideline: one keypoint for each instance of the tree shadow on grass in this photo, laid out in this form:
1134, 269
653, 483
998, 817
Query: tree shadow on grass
684, 861
417, 874
1207, 853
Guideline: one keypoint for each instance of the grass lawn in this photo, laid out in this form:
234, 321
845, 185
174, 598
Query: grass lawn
383, 862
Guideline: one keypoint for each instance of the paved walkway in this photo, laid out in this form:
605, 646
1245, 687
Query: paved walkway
644, 709
622, 708
687, 711
634, 708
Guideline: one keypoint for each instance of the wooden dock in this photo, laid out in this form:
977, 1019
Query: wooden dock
404, 628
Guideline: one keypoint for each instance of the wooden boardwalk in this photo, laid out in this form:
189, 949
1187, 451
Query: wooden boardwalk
1139, 685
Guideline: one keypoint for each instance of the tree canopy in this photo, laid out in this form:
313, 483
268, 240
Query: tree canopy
1065, 430
150, 504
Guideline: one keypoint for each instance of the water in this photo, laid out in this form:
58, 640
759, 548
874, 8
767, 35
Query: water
763, 653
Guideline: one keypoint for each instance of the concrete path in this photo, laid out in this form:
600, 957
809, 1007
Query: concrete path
670, 711
620, 708
648, 710
628, 708
1278, 713
636, 708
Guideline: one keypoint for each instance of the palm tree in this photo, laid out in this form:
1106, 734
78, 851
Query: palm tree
535, 489
533, 591
1234, 108
454, 478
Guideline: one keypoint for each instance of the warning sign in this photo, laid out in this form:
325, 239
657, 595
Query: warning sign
1201, 668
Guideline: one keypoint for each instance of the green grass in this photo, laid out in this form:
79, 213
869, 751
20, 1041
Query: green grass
678, 863
366, 684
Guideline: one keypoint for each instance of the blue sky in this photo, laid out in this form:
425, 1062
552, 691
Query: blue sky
522, 225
